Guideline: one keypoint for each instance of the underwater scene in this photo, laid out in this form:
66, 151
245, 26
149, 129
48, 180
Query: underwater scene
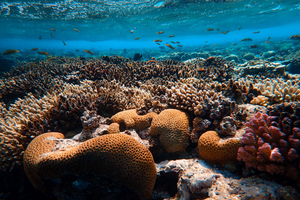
149, 100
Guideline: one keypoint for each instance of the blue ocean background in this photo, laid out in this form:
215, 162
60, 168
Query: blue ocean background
106, 26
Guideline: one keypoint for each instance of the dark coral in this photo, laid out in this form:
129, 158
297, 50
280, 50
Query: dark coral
294, 66
272, 143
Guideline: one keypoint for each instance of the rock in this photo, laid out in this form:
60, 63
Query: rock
269, 54
232, 57
194, 179
249, 56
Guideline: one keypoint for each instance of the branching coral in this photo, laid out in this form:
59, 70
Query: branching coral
272, 144
118, 157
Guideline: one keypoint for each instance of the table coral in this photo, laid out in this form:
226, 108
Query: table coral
213, 150
271, 144
172, 127
115, 156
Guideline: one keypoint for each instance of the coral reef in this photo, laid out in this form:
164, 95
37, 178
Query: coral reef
115, 156
213, 150
172, 127
271, 143
157, 103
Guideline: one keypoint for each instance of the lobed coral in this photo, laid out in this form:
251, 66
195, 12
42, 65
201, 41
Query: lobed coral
115, 156
172, 127
131, 119
213, 149
271, 144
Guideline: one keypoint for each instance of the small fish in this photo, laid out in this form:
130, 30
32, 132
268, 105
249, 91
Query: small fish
214, 45
52, 29
10, 51
269, 38
239, 28
179, 45
233, 44
295, 37
178, 42
225, 32
52, 59
40, 37
157, 41
255, 32
131, 31
209, 29
64, 43
170, 46
159, 32
253, 46
43, 53
137, 38
171, 36
75, 29
34, 49
267, 41
87, 51
246, 40
218, 29
205, 41
173, 42
52, 35
77, 50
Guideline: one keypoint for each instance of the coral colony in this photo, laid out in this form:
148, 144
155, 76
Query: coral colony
114, 128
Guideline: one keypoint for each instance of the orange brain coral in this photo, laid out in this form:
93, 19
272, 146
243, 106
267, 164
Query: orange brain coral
118, 157
212, 150
132, 120
172, 126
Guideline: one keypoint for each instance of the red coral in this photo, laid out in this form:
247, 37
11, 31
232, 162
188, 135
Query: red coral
271, 144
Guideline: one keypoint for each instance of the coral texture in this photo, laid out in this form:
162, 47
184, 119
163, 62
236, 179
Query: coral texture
212, 149
172, 127
271, 144
118, 157
132, 120
113, 128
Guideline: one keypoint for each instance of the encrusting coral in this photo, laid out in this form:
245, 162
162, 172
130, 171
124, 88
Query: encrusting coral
213, 150
271, 143
172, 127
118, 157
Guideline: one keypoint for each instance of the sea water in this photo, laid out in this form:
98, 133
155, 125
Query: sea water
111, 25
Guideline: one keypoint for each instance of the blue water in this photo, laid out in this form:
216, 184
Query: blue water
106, 25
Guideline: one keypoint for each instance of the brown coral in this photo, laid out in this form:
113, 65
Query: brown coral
113, 128
132, 120
118, 157
212, 150
172, 127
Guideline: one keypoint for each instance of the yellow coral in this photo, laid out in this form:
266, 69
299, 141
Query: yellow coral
132, 120
118, 157
260, 100
212, 150
172, 126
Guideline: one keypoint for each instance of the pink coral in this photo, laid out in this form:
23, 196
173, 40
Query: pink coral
272, 145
